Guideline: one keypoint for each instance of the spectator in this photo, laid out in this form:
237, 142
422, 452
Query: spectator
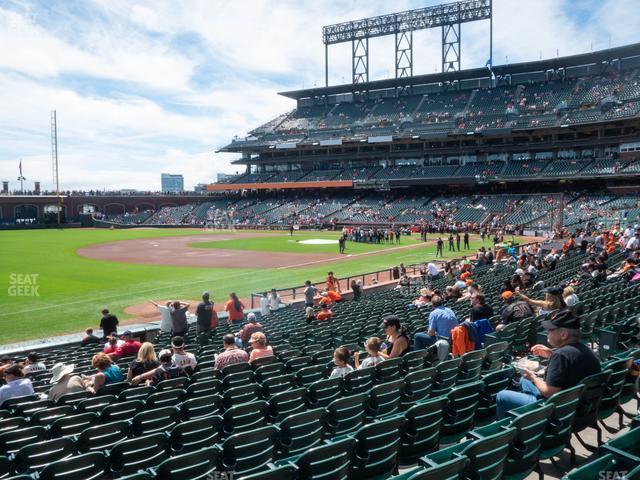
356, 288
329, 297
129, 348
333, 284
569, 364
249, 329
165, 315
441, 321
145, 361
16, 386
397, 340
166, 371
570, 297
32, 364
108, 373
5, 362
552, 300
232, 354
260, 349
372, 346
341, 358
309, 292
514, 310
108, 323
63, 382
112, 345
235, 309
264, 305
309, 315
274, 300
479, 308
205, 314
185, 360
433, 271
179, 324
324, 313
89, 338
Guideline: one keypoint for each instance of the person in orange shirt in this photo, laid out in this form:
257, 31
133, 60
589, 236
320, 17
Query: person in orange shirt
332, 283
234, 308
329, 297
324, 313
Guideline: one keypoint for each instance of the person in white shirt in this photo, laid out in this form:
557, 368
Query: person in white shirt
32, 365
570, 297
632, 245
16, 386
433, 270
165, 316
185, 360
341, 360
264, 305
372, 347
274, 300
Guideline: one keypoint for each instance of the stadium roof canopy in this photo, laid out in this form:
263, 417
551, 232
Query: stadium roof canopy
592, 58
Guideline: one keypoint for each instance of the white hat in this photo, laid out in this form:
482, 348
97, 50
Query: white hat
59, 370
519, 271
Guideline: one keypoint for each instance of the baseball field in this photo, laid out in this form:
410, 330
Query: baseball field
57, 281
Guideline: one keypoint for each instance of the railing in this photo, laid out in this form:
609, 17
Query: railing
385, 275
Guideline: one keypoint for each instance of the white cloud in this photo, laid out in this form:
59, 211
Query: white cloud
157, 85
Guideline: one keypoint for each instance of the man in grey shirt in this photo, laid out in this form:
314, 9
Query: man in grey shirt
179, 324
309, 292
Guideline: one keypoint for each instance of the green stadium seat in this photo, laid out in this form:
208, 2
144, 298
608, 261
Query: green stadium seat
155, 420
385, 398
14, 440
90, 466
459, 416
95, 404
242, 394
418, 387
170, 383
587, 411
470, 367
422, 432
279, 384
135, 393
323, 392
195, 434
165, 398
36, 456
300, 432
238, 379
389, 370
604, 467
494, 382
201, 406
204, 388
194, 465
121, 410
625, 448
332, 460
9, 424
102, 437
449, 470
246, 416
249, 452
140, 453
287, 403
445, 376
346, 414
49, 415
307, 375
268, 370
558, 434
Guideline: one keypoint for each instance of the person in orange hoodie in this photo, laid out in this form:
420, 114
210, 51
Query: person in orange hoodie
324, 313
330, 297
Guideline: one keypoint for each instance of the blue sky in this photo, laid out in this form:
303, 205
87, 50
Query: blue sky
144, 87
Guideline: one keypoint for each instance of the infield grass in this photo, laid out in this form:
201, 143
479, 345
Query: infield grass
71, 290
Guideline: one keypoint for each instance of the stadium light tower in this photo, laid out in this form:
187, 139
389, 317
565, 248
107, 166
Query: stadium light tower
448, 16
54, 160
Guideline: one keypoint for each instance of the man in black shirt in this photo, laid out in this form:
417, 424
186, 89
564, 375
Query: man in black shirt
479, 309
204, 314
466, 240
514, 310
439, 247
108, 323
569, 364
451, 247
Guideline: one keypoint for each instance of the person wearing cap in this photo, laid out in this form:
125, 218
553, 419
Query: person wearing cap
569, 364
185, 360
167, 370
325, 313
63, 382
514, 310
16, 386
397, 339
232, 354
479, 308
441, 321
259, 347
552, 300
204, 315
129, 348
249, 329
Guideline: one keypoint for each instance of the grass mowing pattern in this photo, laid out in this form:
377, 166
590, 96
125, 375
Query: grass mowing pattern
73, 289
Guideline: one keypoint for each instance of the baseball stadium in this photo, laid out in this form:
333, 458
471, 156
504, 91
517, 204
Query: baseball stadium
429, 276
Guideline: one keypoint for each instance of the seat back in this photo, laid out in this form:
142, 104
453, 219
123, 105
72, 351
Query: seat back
279, 384
415, 360
487, 456
377, 446
243, 394
194, 465
558, 431
155, 420
459, 416
102, 437
307, 375
140, 453
445, 376
246, 416
613, 389
283, 404
49, 415
450, 470
201, 406
327, 461
237, 379
422, 433
249, 452
418, 387
494, 382
135, 393
165, 398
323, 392
301, 431
95, 404
531, 423
469, 370
195, 434
204, 387
31, 458
121, 410
385, 398
389, 370
587, 412
347, 414
14, 440
268, 370
359, 381
90, 466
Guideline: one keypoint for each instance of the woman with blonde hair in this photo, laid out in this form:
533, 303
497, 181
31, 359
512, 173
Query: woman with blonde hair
144, 362
259, 346
552, 300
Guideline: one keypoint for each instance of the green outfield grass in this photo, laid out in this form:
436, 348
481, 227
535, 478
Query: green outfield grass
71, 290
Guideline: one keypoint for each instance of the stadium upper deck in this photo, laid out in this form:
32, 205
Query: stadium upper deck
540, 113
